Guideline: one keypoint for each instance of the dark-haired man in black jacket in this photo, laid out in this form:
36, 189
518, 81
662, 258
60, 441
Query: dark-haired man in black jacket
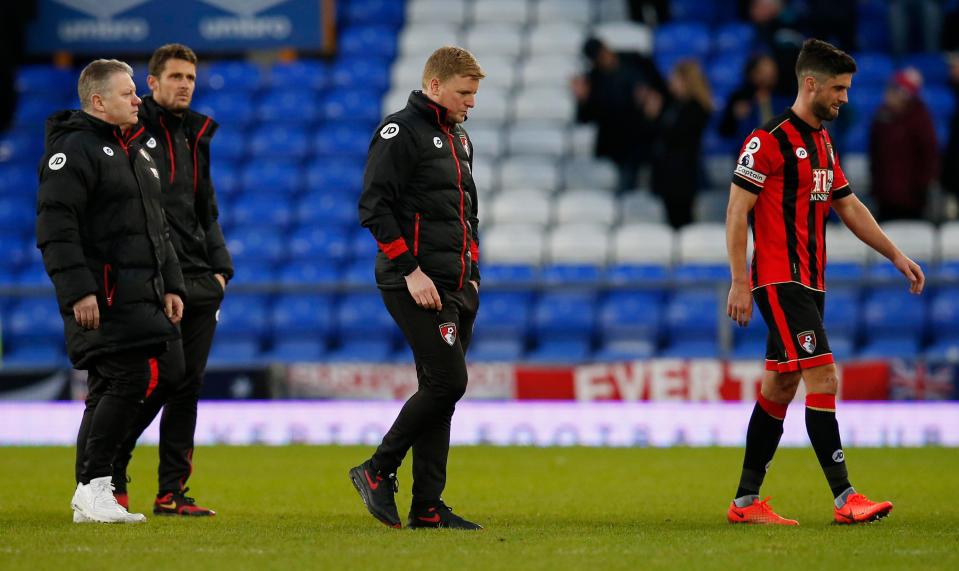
106, 247
419, 202
179, 141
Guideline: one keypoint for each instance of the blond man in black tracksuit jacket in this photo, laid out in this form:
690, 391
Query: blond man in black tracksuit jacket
419, 202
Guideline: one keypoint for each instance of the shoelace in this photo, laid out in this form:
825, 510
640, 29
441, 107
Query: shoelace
765, 507
396, 483
108, 497
182, 495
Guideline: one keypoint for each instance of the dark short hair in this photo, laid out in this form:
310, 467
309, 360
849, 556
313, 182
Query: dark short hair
823, 59
169, 51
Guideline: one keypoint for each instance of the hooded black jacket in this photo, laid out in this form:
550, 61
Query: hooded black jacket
419, 199
101, 228
181, 146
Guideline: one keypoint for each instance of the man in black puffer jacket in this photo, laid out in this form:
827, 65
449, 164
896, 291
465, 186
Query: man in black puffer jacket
179, 141
106, 246
419, 202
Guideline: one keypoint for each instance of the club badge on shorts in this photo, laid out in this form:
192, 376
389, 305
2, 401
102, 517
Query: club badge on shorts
448, 333
807, 340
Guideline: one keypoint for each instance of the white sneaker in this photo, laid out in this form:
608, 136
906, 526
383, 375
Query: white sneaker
95, 502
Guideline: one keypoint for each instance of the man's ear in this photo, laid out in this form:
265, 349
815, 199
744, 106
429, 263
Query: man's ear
96, 102
152, 82
434, 86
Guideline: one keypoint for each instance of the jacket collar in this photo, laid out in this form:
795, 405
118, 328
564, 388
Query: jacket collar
433, 111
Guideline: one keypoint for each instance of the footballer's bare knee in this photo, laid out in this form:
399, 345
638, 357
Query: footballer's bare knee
823, 379
780, 388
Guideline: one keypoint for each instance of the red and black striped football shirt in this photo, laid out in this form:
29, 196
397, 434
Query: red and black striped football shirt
795, 171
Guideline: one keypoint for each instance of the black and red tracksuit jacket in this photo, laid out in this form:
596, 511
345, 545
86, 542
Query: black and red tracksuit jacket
419, 198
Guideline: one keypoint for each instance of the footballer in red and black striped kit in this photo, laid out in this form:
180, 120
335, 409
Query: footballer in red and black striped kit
787, 179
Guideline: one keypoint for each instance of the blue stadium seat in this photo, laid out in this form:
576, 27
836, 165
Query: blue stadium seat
725, 71
226, 352
367, 42
320, 241
842, 312
342, 139
845, 271
306, 317
631, 315
495, 350
890, 348
18, 180
944, 314
226, 179
623, 274
624, 350
297, 351
16, 249
288, 105
17, 213
229, 145
272, 177
842, 347
360, 350
300, 74
755, 330
734, 38
230, 109
363, 246
941, 102
22, 146
256, 244
359, 273
933, 66
508, 275
46, 79
310, 272
34, 276
693, 10
335, 174
328, 208
562, 316
889, 313
692, 274
262, 209
691, 349
35, 355
560, 351
749, 349
244, 317
372, 11
873, 70
33, 320
571, 274
884, 270
682, 39
504, 314
362, 317
359, 105
229, 76
692, 315
274, 141
34, 109
252, 272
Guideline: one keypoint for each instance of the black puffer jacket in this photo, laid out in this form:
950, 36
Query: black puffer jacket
419, 199
102, 231
181, 146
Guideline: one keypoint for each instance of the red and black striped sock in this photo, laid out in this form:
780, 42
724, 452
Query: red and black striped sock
762, 439
823, 433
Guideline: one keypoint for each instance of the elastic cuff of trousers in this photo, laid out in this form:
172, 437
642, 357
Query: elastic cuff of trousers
773, 409
821, 401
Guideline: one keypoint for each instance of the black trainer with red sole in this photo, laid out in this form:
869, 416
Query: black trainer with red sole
178, 504
378, 493
438, 516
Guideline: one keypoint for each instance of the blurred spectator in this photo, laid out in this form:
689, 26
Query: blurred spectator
834, 21
754, 102
950, 159
776, 32
677, 135
607, 96
649, 12
914, 25
903, 155
13, 31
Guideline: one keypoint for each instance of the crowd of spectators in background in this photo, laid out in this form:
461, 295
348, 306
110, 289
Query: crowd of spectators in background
652, 128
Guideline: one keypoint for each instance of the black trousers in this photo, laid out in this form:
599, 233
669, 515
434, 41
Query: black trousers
439, 341
178, 390
117, 385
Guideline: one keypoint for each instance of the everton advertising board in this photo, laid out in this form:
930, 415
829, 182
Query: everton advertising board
99, 27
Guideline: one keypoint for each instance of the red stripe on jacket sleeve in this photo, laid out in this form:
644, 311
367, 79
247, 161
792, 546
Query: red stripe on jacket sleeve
394, 249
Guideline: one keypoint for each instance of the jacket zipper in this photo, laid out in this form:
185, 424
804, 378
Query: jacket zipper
416, 235
108, 291
196, 145
459, 185
169, 146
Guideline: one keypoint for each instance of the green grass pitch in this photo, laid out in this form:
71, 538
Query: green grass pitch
559, 508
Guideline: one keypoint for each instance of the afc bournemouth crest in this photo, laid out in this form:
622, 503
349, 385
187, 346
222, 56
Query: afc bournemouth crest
807, 340
466, 144
448, 333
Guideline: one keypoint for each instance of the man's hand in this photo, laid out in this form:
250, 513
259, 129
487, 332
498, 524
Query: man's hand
173, 307
739, 306
222, 280
913, 273
423, 291
475, 285
87, 312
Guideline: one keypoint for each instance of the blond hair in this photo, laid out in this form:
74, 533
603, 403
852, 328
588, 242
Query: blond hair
450, 61
95, 77
692, 75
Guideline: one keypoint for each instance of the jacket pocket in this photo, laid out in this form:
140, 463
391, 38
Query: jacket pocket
416, 235
109, 284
